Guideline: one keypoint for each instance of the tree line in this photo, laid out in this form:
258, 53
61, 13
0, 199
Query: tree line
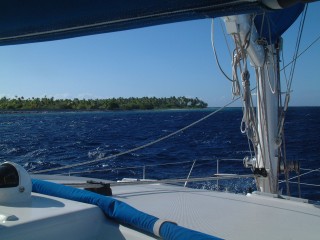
132, 103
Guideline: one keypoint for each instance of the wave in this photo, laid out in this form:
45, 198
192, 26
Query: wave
39, 165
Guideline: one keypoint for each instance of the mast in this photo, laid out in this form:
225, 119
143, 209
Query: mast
267, 121
260, 123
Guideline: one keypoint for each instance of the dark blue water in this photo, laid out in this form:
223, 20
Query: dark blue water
46, 140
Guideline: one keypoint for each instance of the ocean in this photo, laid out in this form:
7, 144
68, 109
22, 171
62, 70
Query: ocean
48, 140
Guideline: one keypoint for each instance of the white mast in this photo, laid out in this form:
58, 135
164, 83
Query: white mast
267, 116
261, 127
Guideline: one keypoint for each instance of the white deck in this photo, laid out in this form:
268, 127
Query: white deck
224, 215
50, 218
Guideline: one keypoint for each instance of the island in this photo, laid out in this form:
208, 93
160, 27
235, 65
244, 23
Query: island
132, 103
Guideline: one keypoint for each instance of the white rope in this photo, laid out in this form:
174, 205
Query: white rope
248, 124
235, 84
273, 90
215, 52
248, 121
225, 38
137, 148
273, 61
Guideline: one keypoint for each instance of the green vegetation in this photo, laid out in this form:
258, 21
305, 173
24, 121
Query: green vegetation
21, 104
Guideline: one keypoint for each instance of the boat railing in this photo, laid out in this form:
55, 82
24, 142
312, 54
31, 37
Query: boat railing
218, 173
297, 179
144, 167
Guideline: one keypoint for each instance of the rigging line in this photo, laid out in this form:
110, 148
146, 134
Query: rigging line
236, 90
133, 167
306, 169
284, 67
299, 185
249, 33
215, 53
225, 38
269, 30
250, 150
263, 16
273, 62
249, 122
316, 40
297, 45
307, 184
140, 147
301, 175
155, 165
285, 163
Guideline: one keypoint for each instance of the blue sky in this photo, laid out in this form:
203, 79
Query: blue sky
161, 61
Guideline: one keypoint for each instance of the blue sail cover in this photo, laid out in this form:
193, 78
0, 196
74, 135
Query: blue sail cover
273, 24
42, 20
119, 211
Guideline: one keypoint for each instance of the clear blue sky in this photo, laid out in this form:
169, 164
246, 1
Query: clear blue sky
161, 61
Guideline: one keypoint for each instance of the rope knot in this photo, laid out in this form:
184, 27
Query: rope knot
245, 75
